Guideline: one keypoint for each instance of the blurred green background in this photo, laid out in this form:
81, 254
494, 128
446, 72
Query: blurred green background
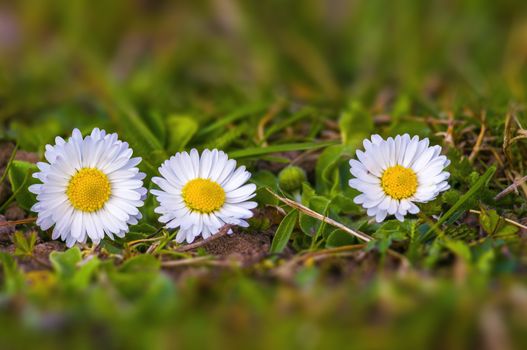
170, 75
208, 56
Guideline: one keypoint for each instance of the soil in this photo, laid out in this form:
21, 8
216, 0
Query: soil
30, 157
14, 212
246, 248
6, 149
5, 231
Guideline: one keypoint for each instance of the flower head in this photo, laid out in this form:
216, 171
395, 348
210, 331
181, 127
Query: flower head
201, 194
393, 174
90, 188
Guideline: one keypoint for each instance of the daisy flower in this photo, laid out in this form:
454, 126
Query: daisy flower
201, 194
394, 174
90, 188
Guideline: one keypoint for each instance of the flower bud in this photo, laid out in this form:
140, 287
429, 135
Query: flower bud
291, 178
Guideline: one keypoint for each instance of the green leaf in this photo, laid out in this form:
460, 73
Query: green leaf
147, 210
20, 177
307, 193
485, 261
85, 273
489, 220
391, 231
356, 124
326, 167
65, 263
180, 130
9, 163
136, 275
156, 123
24, 245
140, 263
239, 113
460, 248
13, 278
265, 180
495, 225
138, 132
34, 137
339, 238
144, 228
309, 225
303, 113
72, 270
344, 203
226, 138
141, 139
410, 127
283, 233
259, 151
396, 230
507, 231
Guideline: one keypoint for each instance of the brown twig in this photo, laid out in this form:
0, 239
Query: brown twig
511, 188
17, 222
201, 260
303, 156
286, 269
309, 255
271, 113
449, 135
362, 236
507, 136
479, 140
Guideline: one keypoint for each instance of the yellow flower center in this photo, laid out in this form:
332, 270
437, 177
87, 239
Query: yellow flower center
399, 182
89, 189
203, 195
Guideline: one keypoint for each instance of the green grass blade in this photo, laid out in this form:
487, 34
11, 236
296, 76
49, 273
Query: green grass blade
283, 233
259, 151
237, 114
9, 162
304, 113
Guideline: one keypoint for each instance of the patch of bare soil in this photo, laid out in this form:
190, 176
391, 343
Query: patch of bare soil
238, 249
5, 231
14, 212
6, 149
247, 248
30, 157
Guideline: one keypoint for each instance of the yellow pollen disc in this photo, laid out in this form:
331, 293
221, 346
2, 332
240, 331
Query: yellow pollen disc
89, 189
203, 195
399, 182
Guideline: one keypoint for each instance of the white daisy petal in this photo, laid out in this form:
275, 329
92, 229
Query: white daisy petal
394, 173
200, 194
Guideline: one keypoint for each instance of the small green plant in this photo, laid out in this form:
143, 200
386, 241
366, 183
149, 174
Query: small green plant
24, 243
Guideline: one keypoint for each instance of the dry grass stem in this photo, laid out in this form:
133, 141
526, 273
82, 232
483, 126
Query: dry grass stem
362, 236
